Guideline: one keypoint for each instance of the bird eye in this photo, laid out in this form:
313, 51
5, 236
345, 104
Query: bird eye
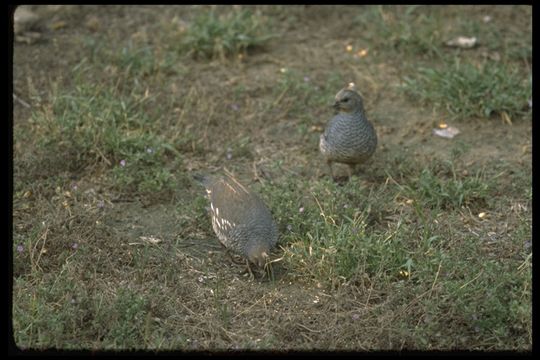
345, 100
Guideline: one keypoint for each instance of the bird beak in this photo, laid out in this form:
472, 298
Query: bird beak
335, 105
263, 259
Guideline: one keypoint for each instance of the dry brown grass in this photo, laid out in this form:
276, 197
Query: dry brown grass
87, 276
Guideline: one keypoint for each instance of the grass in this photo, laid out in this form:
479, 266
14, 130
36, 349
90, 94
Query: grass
420, 31
94, 125
412, 29
312, 93
466, 90
466, 85
433, 192
338, 234
224, 35
374, 236
112, 243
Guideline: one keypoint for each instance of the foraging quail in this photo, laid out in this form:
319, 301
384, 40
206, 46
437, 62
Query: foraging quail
349, 137
240, 219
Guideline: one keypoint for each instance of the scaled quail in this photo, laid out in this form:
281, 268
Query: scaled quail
349, 137
240, 219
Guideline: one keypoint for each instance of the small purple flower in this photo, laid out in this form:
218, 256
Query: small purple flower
301, 210
122, 163
149, 150
289, 227
306, 79
235, 107
75, 246
229, 153
355, 316
101, 204
74, 186
20, 248
346, 206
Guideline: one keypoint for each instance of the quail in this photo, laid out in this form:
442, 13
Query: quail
349, 137
240, 219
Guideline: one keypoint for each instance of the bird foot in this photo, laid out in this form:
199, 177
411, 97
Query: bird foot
247, 270
234, 258
340, 180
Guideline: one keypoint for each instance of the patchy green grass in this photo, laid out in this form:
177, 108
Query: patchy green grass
405, 238
427, 247
465, 90
224, 35
337, 233
307, 93
413, 30
95, 124
434, 191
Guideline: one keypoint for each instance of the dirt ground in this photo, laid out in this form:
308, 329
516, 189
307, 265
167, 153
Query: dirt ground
195, 297
399, 124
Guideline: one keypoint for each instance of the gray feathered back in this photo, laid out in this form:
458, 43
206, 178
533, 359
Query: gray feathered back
349, 137
240, 219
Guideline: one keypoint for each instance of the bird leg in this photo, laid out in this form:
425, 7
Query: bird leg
329, 163
350, 170
268, 270
240, 262
228, 252
251, 276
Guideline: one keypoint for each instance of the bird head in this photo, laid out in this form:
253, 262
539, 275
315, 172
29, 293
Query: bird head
258, 255
348, 100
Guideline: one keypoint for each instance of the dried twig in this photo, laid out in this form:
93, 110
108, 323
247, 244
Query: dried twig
470, 281
435, 280
322, 211
21, 101
41, 251
308, 329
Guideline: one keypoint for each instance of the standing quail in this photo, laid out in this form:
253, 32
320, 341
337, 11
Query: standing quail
349, 137
240, 219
